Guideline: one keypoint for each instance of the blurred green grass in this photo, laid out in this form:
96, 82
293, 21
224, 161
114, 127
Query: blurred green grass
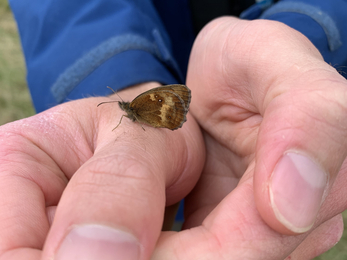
15, 102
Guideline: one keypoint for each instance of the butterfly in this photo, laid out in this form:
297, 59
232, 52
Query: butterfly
161, 107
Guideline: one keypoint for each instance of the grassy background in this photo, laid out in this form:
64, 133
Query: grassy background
15, 100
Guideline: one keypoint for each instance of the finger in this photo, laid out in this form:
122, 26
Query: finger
233, 230
219, 177
23, 222
291, 107
301, 145
320, 240
32, 179
114, 205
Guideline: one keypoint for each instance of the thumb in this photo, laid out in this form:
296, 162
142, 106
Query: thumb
301, 146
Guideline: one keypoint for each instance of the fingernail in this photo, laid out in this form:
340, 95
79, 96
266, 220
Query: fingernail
95, 242
296, 191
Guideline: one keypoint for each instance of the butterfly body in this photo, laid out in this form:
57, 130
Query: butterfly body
161, 107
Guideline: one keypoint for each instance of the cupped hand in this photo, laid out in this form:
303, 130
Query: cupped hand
71, 188
274, 119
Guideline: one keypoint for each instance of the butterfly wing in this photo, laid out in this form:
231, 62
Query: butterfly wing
165, 106
181, 90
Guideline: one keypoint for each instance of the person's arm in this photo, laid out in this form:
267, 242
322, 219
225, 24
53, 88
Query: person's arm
75, 49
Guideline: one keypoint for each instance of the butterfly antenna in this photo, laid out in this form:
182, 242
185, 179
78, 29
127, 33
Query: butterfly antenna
113, 100
115, 93
107, 102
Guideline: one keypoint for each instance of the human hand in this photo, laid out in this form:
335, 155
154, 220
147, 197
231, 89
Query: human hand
111, 187
275, 128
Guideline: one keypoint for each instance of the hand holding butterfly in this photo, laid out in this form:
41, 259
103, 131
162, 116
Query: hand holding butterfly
112, 186
260, 90
274, 119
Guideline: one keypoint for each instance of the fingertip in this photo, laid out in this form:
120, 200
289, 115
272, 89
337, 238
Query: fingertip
94, 242
294, 194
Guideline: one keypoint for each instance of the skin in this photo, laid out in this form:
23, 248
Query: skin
66, 163
237, 95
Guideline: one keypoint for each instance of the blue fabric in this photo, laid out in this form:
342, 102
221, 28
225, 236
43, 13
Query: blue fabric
96, 57
323, 22
319, 16
76, 48
256, 10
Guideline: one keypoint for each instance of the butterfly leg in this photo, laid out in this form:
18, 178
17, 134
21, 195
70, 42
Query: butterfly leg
139, 123
120, 121
142, 126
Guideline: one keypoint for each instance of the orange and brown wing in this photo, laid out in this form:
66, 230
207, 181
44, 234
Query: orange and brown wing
163, 106
181, 90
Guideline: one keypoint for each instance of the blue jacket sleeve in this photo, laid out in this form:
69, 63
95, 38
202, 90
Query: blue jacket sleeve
75, 49
323, 22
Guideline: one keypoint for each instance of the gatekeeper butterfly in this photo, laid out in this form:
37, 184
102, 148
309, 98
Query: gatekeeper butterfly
162, 107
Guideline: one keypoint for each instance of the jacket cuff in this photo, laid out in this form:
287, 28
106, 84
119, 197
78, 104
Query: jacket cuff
118, 62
